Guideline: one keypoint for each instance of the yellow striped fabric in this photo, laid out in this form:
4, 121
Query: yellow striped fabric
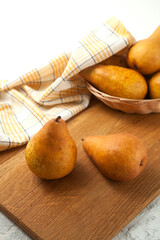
28, 102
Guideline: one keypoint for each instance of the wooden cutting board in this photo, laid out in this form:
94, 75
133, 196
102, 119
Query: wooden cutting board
84, 205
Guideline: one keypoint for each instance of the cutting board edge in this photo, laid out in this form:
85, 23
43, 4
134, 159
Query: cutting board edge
134, 215
19, 223
33, 235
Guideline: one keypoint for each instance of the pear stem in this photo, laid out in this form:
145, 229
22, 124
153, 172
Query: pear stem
141, 163
59, 117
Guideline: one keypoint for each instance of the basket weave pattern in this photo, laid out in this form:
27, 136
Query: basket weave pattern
143, 106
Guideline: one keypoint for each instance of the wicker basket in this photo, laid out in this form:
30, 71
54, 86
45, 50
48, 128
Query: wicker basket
143, 106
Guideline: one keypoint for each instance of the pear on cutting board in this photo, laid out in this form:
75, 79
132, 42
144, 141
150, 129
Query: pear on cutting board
120, 157
51, 153
144, 56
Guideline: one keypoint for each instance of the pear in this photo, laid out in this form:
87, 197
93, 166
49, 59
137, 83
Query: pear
154, 86
144, 56
116, 81
120, 157
116, 60
51, 153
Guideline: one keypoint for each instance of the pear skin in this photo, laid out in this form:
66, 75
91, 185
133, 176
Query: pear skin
51, 153
154, 86
120, 157
116, 60
144, 55
116, 81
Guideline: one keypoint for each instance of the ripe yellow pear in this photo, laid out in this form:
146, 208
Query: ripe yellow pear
144, 56
120, 157
116, 60
116, 81
154, 86
51, 153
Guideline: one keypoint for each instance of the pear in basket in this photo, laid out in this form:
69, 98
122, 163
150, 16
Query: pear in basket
117, 60
116, 81
154, 86
144, 56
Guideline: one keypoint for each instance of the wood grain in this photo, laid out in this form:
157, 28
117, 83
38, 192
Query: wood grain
83, 205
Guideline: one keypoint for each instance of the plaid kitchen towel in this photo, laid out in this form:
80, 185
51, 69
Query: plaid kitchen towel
28, 102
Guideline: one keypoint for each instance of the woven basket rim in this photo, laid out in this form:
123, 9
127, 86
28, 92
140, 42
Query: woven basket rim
104, 95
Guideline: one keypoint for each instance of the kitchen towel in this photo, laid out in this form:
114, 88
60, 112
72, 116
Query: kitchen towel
28, 102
